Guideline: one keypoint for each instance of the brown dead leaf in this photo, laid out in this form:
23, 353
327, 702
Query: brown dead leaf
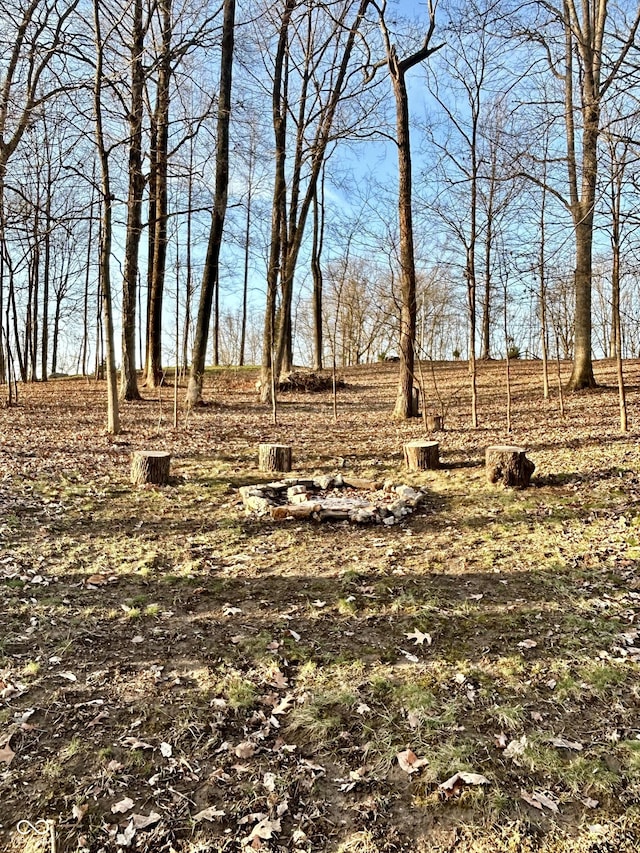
539, 800
455, 784
278, 680
144, 821
245, 749
419, 637
124, 805
265, 829
79, 812
98, 580
409, 761
212, 813
563, 743
6, 754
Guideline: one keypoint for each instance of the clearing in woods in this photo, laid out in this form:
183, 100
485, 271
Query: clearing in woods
177, 675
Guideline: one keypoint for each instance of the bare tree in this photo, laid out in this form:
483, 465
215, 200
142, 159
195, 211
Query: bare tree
212, 263
398, 69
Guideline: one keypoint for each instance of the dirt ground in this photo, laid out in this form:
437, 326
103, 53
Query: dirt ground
177, 675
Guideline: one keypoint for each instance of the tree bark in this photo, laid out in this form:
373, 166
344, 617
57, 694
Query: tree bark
128, 377
212, 263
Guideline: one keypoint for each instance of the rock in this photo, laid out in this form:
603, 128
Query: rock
338, 481
362, 516
257, 504
250, 491
399, 509
277, 486
389, 520
296, 490
408, 494
299, 498
325, 483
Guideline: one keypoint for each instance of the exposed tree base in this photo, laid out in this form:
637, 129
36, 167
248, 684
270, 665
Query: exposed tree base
150, 466
581, 383
274, 457
435, 423
509, 465
581, 378
421, 455
131, 396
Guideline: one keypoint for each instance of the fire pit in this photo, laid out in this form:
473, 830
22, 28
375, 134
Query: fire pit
332, 498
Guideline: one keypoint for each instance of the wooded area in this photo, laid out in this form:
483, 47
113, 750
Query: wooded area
239, 183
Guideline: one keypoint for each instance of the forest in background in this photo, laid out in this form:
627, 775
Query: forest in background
218, 184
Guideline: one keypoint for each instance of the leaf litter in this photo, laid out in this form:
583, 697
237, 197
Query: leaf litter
155, 583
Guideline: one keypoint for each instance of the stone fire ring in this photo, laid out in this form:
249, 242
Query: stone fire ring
332, 498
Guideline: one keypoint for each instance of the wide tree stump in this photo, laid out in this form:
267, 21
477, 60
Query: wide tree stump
508, 465
434, 423
150, 466
274, 457
421, 455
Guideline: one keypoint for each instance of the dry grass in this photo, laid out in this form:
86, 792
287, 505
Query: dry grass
274, 659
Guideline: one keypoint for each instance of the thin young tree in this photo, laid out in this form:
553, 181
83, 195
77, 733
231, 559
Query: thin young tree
106, 230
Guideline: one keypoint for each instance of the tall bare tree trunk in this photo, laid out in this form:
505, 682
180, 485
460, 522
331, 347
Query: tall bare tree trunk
113, 417
212, 263
158, 212
128, 377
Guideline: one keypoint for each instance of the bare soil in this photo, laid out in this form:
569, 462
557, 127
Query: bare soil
177, 675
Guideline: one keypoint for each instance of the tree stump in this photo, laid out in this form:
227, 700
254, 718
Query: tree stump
421, 455
434, 423
274, 457
508, 465
150, 466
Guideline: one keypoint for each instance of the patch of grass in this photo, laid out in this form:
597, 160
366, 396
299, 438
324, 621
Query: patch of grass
239, 691
508, 717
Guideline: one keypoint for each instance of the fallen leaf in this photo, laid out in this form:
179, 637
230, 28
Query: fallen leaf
69, 676
6, 754
501, 740
409, 761
527, 644
516, 747
79, 812
166, 749
245, 749
419, 637
135, 743
265, 829
144, 821
279, 680
589, 803
284, 704
539, 800
123, 806
410, 657
295, 635
563, 743
212, 813
455, 784
97, 580
231, 611
269, 782
124, 839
